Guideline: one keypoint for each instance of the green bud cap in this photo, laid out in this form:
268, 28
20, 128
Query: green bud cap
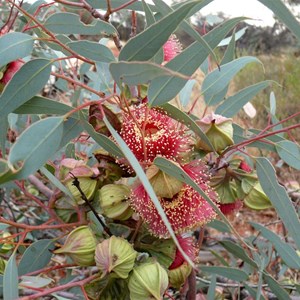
165, 186
115, 255
6, 245
148, 281
113, 201
219, 131
80, 245
257, 199
3, 264
179, 275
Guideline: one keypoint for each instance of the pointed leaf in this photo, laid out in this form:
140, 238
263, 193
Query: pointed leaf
146, 44
134, 73
280, 293
231, 273
25, 84
36, 256
282, 12
92, 50
287, 253
239, 252
217, 80
40, 105
10, 279
147, 185
14, 45
69, 23
289, 152
36, 145
279, 197
187, 62
182, 117
234, 103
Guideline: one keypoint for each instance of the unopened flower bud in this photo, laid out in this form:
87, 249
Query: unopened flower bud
10, 70
164, 185
113, 201
80, 245
179, 275
6, 245
257, 199
115, 255
87, 183
148, 281
218, 130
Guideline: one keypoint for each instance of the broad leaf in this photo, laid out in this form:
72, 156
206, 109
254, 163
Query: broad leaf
10, 279
234, 103
187, 62
217, 80
116, 3
35, 146
25, 84
40, 105
231, 273
92, 50
69, 23
134, 73
146, 44
35, 281
287, 253
282, 13
279, 198
289, 152
14, 45
280, 293
36, 256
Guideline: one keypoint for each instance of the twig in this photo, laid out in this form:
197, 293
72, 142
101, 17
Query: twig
76, 183
40, 186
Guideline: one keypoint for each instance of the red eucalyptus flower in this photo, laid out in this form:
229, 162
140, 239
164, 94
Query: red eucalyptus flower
228, 208
150, 133
186, 210
171, 48
188, 246
245, 167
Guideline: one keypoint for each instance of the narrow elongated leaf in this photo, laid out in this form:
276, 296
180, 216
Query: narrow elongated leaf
237, 36
182, 117
72, 128
212, 288
289, 152
217, 80
279, 198
36, 145
10, 279
239, 252
186, 93
69, 23
14, 45
103, 141
235, 102
280, 293
40, 105
134, 73
187, 62
116, 3
231, 273
25, 84
287, 253
92, 50
282, 12
147, 185
35, 281
146, 44
150, 19
4, 127
253, 292
36, 256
